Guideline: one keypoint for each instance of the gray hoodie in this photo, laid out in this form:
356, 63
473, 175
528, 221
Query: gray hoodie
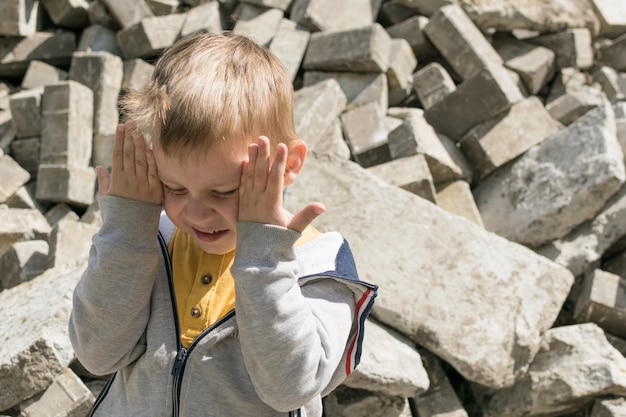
294, 335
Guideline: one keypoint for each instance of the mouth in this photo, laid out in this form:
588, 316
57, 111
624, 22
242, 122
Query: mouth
211, 236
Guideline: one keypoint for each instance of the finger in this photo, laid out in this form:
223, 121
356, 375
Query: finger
305, 217
277, 171
262, 164
129, 149
153, 173
141, 162
117, 162
104, 180
253, 152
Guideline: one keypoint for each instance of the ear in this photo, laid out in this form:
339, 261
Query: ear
296, 152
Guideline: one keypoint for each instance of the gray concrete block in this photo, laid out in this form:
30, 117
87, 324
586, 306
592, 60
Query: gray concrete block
97, 38
55, 48
289, 45
614, 54
204, 17
26, 111
67, 124
315, 106
600, 301
24, 198
456, 197
19, 17
273, 4
23, 262
26, 153
38, 74
258, 23
412, 30
491, 92
359, 88
19, 225
574, 104
127, 13
74, 185
495, 142
163, 7
364, 131
330, 15
460, 42
137, 73
150, 36
358, 50
13, 177
35, 358
572, 47
432, 84
67, 396
533, 63
60, 212
102, 72
69, 239
609, 81
402, 63
410, 173
68, 13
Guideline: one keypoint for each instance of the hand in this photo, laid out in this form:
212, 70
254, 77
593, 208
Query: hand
261, 190
133, 169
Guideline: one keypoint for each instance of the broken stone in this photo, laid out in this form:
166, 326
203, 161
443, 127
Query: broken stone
346, 402
572, 47
150, 36
460, 42
258, 23
600, 301
402, 62
67, 119
521, 292
54, 48
495, 142
410, 173
26, 111
317, 105
204, 17
67, 13
432, 84
39, 74
22, 262
412, 30
440, 400
19, 17
67, 396
456, 198
491, 92
26, 154
572, 105
69, 239
31, 360
137, 73
98, 38
359, 50
66, 184
289, 45
163, 7
609, 407
613, 54
13, 177
329, 15
550, 172
127, 13
609, 80
575, 364
364, 131
19, 225
400, 374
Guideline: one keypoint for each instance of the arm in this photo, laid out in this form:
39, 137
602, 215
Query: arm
111, 303
292, 338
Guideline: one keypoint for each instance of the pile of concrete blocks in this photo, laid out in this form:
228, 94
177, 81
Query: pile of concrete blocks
471, 151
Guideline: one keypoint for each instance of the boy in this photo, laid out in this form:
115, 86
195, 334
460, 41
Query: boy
161, 315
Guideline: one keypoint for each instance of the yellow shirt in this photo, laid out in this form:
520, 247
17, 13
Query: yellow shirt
204, 287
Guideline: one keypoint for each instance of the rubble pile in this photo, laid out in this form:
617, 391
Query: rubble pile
471, 151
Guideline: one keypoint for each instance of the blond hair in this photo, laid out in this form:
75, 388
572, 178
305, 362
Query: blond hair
213, 88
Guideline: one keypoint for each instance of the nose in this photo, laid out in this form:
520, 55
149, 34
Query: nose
198, 211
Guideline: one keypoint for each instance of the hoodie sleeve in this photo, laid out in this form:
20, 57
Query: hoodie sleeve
111, 303
293, 338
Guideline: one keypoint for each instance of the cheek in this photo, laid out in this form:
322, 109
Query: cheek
173, 206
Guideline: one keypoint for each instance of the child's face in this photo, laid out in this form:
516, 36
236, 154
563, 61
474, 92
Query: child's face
200, 195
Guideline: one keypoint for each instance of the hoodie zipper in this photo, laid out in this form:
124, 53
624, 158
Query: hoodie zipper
180, 362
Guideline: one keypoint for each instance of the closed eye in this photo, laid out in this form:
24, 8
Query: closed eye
225, 194
175, 191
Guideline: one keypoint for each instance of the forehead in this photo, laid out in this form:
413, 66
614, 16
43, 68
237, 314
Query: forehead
218, 164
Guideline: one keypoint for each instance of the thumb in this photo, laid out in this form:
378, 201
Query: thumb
104, 180
304, 217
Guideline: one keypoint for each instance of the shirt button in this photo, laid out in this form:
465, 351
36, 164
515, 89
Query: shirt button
206, 279
196, 312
